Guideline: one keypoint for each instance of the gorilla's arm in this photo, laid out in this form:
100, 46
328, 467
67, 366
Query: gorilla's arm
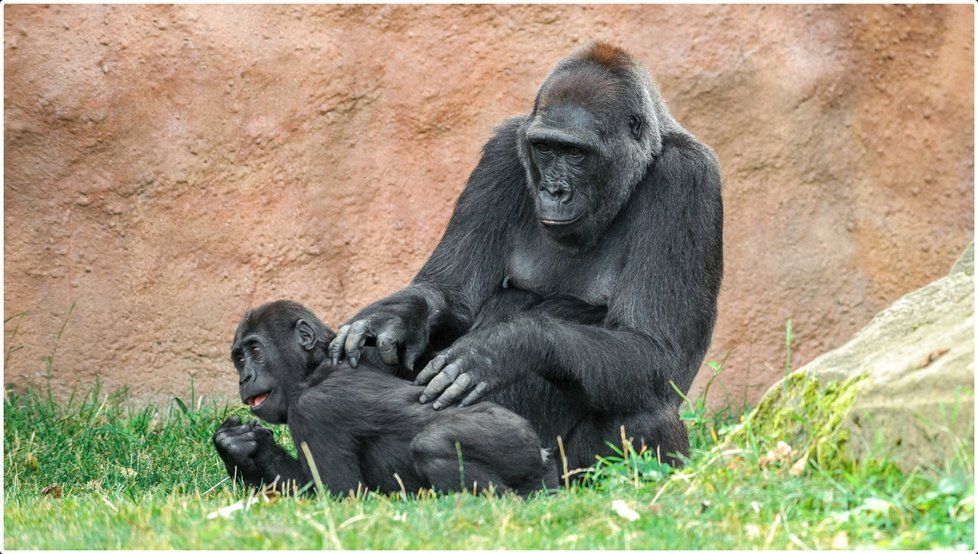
616, 370
440, 303
252, 457
660, 316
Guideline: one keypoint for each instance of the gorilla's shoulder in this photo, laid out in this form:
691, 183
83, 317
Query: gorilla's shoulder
503, 141
509, 127
500, 165
683, 154
686, 145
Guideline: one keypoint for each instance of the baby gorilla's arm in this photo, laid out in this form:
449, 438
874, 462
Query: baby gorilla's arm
251, 456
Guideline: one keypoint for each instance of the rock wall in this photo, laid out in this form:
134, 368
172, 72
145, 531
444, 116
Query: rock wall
166, 167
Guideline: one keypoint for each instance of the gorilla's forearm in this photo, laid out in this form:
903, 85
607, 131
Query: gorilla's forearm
616, 370
280, 468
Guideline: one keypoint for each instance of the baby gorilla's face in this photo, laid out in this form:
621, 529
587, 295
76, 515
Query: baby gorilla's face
275, 346
264, 377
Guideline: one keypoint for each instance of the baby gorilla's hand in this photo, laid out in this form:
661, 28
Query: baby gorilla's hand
237, 445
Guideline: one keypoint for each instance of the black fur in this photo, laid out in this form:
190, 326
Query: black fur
364, 428
598, 194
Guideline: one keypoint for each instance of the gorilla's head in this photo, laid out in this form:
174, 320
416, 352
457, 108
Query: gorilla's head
596, 127
275, 347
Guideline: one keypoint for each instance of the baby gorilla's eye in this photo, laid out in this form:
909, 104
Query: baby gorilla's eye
255, 350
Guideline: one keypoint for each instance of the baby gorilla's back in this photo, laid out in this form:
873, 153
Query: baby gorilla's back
364, 426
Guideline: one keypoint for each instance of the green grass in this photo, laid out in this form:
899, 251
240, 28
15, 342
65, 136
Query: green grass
147, 478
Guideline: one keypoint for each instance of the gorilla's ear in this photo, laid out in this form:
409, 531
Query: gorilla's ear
635, 126
305, 334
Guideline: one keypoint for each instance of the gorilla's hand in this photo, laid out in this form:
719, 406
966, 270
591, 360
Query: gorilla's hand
464, 373
399, 331
239, 444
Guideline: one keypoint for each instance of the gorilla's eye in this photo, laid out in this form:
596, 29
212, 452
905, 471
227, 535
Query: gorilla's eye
575, 153
542, 147
254, 350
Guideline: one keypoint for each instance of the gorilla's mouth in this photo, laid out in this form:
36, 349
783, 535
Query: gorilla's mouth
256, 400
560, 222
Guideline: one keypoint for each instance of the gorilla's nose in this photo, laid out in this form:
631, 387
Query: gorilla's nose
557, 193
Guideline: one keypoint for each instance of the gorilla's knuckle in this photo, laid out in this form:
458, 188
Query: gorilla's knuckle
440, 380
452, 371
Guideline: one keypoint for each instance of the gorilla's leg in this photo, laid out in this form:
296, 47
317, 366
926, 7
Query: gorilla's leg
661, 431
482, 445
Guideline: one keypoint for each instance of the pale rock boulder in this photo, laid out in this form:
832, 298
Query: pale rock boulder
902, 387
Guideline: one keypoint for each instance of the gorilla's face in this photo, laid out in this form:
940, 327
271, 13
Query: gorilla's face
562, 152
568, 173
256, 360
270, 361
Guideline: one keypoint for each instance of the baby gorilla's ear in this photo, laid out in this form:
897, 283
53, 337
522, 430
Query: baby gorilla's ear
308, 334
305, 334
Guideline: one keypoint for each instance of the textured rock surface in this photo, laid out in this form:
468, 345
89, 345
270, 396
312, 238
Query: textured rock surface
168, 166
912, 368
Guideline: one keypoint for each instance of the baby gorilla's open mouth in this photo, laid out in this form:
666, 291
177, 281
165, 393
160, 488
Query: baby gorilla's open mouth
256, 401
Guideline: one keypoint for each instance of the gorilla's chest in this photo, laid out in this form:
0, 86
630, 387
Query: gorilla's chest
547, 270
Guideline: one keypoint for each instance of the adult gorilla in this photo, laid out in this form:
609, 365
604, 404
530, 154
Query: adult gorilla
599, 194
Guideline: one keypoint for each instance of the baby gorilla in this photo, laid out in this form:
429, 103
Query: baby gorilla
364, 428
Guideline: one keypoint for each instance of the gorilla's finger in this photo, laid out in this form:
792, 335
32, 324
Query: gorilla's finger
336, 345
242, 448
433, 368
234, 431
232, 421
257, 427
238, 444
441, 382
359, 332
387, 342
454, 392
231, 433
476, 395
232, 441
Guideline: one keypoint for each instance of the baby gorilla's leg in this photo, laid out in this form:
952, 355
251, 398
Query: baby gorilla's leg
473, 448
